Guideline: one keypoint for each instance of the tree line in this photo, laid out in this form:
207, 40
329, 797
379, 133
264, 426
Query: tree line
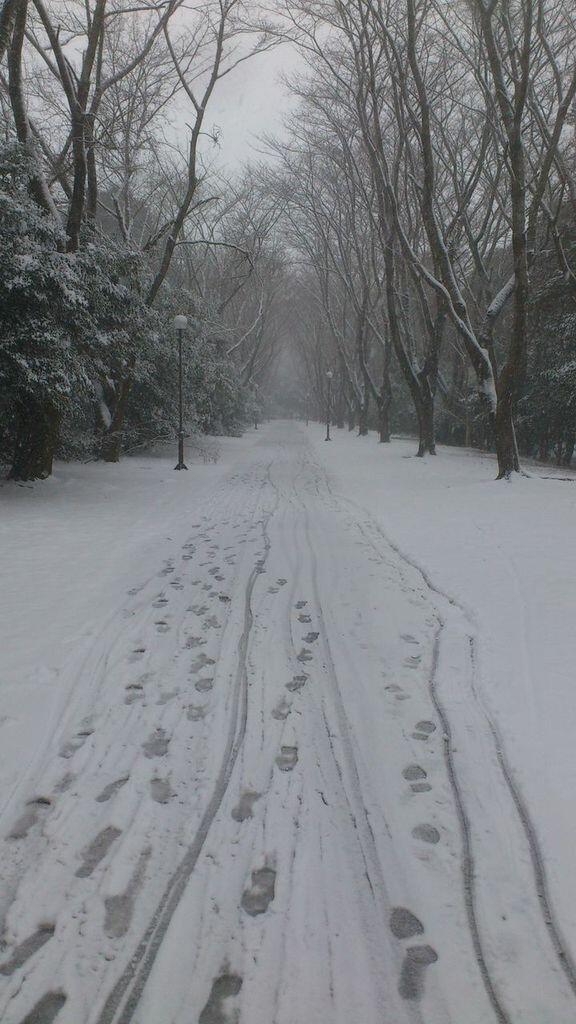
114, 217
413, 230
429, 192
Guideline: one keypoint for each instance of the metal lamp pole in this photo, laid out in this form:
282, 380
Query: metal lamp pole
329, 375
255, 391
180, 325
307, 408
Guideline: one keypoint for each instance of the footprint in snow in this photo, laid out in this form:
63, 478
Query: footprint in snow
413, 660
46, 1009
195, 712
417, 959
95, 852
282, 710
162, 626
119, 909
157, 744
310, 638
26, 949
282, 582
225, 987
287, 758
423, 730
297, 683
161, 791
408, 638
258, 897
30, 817
160, 602
165, 698
137, 654
111, 789
404, 924
305, 618
204, 685
426, 834
305, 655
195, 641
245, 807
416, 776
69, 748
201, 661
301, 604
134, 691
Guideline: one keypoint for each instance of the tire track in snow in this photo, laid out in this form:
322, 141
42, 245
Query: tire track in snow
124, 998
372, 866
544, 901
468, 864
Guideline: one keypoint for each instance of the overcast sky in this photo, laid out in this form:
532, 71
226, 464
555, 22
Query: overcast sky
249, 102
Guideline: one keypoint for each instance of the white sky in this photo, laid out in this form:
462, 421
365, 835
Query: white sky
249, 102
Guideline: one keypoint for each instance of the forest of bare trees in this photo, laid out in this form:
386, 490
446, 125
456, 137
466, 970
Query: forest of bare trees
413, 228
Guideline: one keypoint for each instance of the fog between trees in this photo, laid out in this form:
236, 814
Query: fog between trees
413, 229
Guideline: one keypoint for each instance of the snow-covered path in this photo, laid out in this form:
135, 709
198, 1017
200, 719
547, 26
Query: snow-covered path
273, 794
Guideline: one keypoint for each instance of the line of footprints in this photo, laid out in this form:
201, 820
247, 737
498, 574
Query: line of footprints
260, 893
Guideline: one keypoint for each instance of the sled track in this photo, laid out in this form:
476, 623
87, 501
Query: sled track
124, 998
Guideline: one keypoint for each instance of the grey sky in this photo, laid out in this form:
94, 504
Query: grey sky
249, 102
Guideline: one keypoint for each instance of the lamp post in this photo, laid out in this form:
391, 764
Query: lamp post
180, 325
255, 392
307, 408
329, 376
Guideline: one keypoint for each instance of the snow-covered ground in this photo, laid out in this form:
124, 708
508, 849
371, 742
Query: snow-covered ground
288, 739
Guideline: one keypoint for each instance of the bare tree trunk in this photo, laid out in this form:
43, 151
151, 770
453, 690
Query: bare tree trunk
427, 439
384, 419
111, 444
38, 428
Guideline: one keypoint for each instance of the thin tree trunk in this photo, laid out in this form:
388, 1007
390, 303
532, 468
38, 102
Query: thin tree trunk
384, 420
111, 445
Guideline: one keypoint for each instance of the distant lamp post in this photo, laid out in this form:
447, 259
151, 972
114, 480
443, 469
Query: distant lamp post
180, 325
329, 376
307, 408
255, 390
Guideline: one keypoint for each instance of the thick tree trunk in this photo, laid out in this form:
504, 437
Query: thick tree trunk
38, 430
505, 435
427, 439
384, 421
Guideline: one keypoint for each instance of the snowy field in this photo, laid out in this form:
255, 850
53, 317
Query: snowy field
288, 739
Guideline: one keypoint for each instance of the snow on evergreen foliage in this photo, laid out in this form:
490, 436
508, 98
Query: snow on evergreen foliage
72, 325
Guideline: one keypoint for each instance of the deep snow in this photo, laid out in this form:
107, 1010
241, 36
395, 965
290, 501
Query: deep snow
288, 738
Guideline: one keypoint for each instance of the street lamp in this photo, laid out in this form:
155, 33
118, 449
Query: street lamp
180, 325
329, 375
307, 408
255, 393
